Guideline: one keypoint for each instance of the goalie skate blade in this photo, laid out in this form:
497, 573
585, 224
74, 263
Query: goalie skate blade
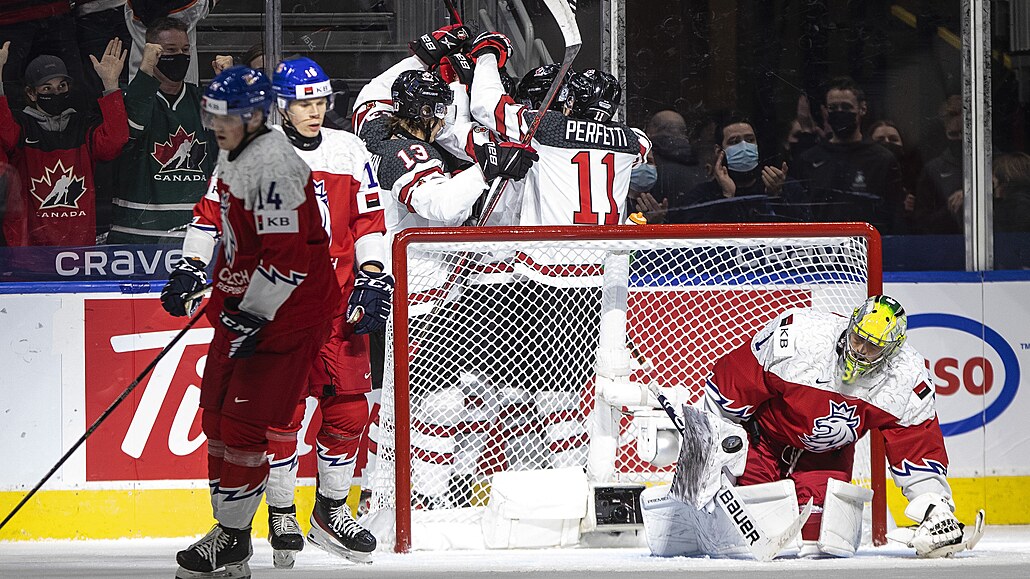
318, 538
235, 571
283, 559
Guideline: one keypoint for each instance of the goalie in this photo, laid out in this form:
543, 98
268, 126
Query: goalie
806, 388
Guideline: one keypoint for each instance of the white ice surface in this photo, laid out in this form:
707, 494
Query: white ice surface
1004, 552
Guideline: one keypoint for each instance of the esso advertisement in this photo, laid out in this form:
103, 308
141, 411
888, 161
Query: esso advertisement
155, 434
974, 369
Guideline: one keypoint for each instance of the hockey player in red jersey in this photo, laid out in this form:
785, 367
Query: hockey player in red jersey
807, 387
352, 214
273, 296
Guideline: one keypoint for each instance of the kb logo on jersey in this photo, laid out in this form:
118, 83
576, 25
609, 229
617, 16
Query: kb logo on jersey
837, 429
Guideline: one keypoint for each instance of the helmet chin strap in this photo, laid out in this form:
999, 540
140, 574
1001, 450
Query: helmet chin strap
298, 140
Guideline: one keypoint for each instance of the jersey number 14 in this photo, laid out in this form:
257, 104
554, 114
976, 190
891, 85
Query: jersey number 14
586, 214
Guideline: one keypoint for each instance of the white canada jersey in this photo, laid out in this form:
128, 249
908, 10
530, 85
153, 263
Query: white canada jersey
582, 177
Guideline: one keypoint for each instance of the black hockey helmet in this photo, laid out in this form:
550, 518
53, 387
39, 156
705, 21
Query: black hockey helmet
533, 87
509, 82
421, 94
592, 95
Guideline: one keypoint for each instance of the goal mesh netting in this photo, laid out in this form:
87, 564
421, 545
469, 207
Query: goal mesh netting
495, 340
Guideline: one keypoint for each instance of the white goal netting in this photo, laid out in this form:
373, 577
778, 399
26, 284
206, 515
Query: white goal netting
501, 334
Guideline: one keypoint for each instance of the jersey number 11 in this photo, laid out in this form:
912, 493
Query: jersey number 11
586, 214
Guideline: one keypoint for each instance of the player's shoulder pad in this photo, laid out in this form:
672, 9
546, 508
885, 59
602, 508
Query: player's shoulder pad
909, 380
392, 159
375, 131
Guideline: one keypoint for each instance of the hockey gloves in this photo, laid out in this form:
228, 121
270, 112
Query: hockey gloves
505, 159
369, 305
243, 329
457, 67
432, 47
938, 530
494, 42
186, 279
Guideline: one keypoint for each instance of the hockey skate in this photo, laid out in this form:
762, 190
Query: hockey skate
284, 535
334, 530
222, 553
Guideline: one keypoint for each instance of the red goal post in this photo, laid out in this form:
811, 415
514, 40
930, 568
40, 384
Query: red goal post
676, 272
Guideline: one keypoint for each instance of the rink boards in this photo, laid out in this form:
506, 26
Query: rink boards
66, 356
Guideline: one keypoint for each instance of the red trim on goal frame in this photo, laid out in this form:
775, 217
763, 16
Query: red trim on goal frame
402, 445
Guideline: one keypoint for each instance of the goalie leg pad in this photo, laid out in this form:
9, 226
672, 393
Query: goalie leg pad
670, 526
841, 531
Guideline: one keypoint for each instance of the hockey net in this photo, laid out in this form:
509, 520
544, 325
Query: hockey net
495, 343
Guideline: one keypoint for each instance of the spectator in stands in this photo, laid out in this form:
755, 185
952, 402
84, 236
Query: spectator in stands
1011, 193
737, 173
939, 196
887, 135
254, 57
35, 27
170, 155
675, 163
140, 14
9, 184
54, 148
804, 133
96, 23
848, 178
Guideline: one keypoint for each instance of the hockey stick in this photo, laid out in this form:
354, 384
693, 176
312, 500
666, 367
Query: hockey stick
96, 423
455, 15
566, 18
763, 546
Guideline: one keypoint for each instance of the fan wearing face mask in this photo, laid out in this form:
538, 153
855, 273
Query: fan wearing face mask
737, 173
168, 162
850, 178
54, 148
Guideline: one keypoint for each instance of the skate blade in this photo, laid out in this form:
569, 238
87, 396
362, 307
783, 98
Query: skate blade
234, 571
317, 538
283, 559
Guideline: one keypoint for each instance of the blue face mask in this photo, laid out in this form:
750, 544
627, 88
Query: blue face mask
742, 157
643, 177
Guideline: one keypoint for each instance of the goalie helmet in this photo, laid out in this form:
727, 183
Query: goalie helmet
299, 79
592, 95
420, 94
237, 91
875, 333
533, 87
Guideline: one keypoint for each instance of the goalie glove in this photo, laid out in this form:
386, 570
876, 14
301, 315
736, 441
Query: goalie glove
243, 329
505, 159
431, 48
368, 307
186, 279
494, 42
938, 531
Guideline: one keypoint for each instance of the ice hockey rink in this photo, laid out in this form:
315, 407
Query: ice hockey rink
1004, 552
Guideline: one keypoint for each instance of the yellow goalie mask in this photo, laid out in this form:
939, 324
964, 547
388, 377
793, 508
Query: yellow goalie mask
875, 333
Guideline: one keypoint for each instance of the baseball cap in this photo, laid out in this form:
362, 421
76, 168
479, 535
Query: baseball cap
43, 68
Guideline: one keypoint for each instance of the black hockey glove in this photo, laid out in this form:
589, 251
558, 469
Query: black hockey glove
243, 329
432, 47
494, 42
186, 279
457, 67
505, 159
368, 307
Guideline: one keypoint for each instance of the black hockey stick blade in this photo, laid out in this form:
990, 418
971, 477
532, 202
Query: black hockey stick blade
121, 397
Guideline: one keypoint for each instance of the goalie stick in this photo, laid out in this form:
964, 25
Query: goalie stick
905, 535
763, 546
121, 397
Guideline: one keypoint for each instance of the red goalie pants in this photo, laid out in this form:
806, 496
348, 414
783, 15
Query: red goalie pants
769, 461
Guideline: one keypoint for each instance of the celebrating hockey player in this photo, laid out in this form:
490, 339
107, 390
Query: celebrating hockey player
806, 388
352, 214
274, 294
